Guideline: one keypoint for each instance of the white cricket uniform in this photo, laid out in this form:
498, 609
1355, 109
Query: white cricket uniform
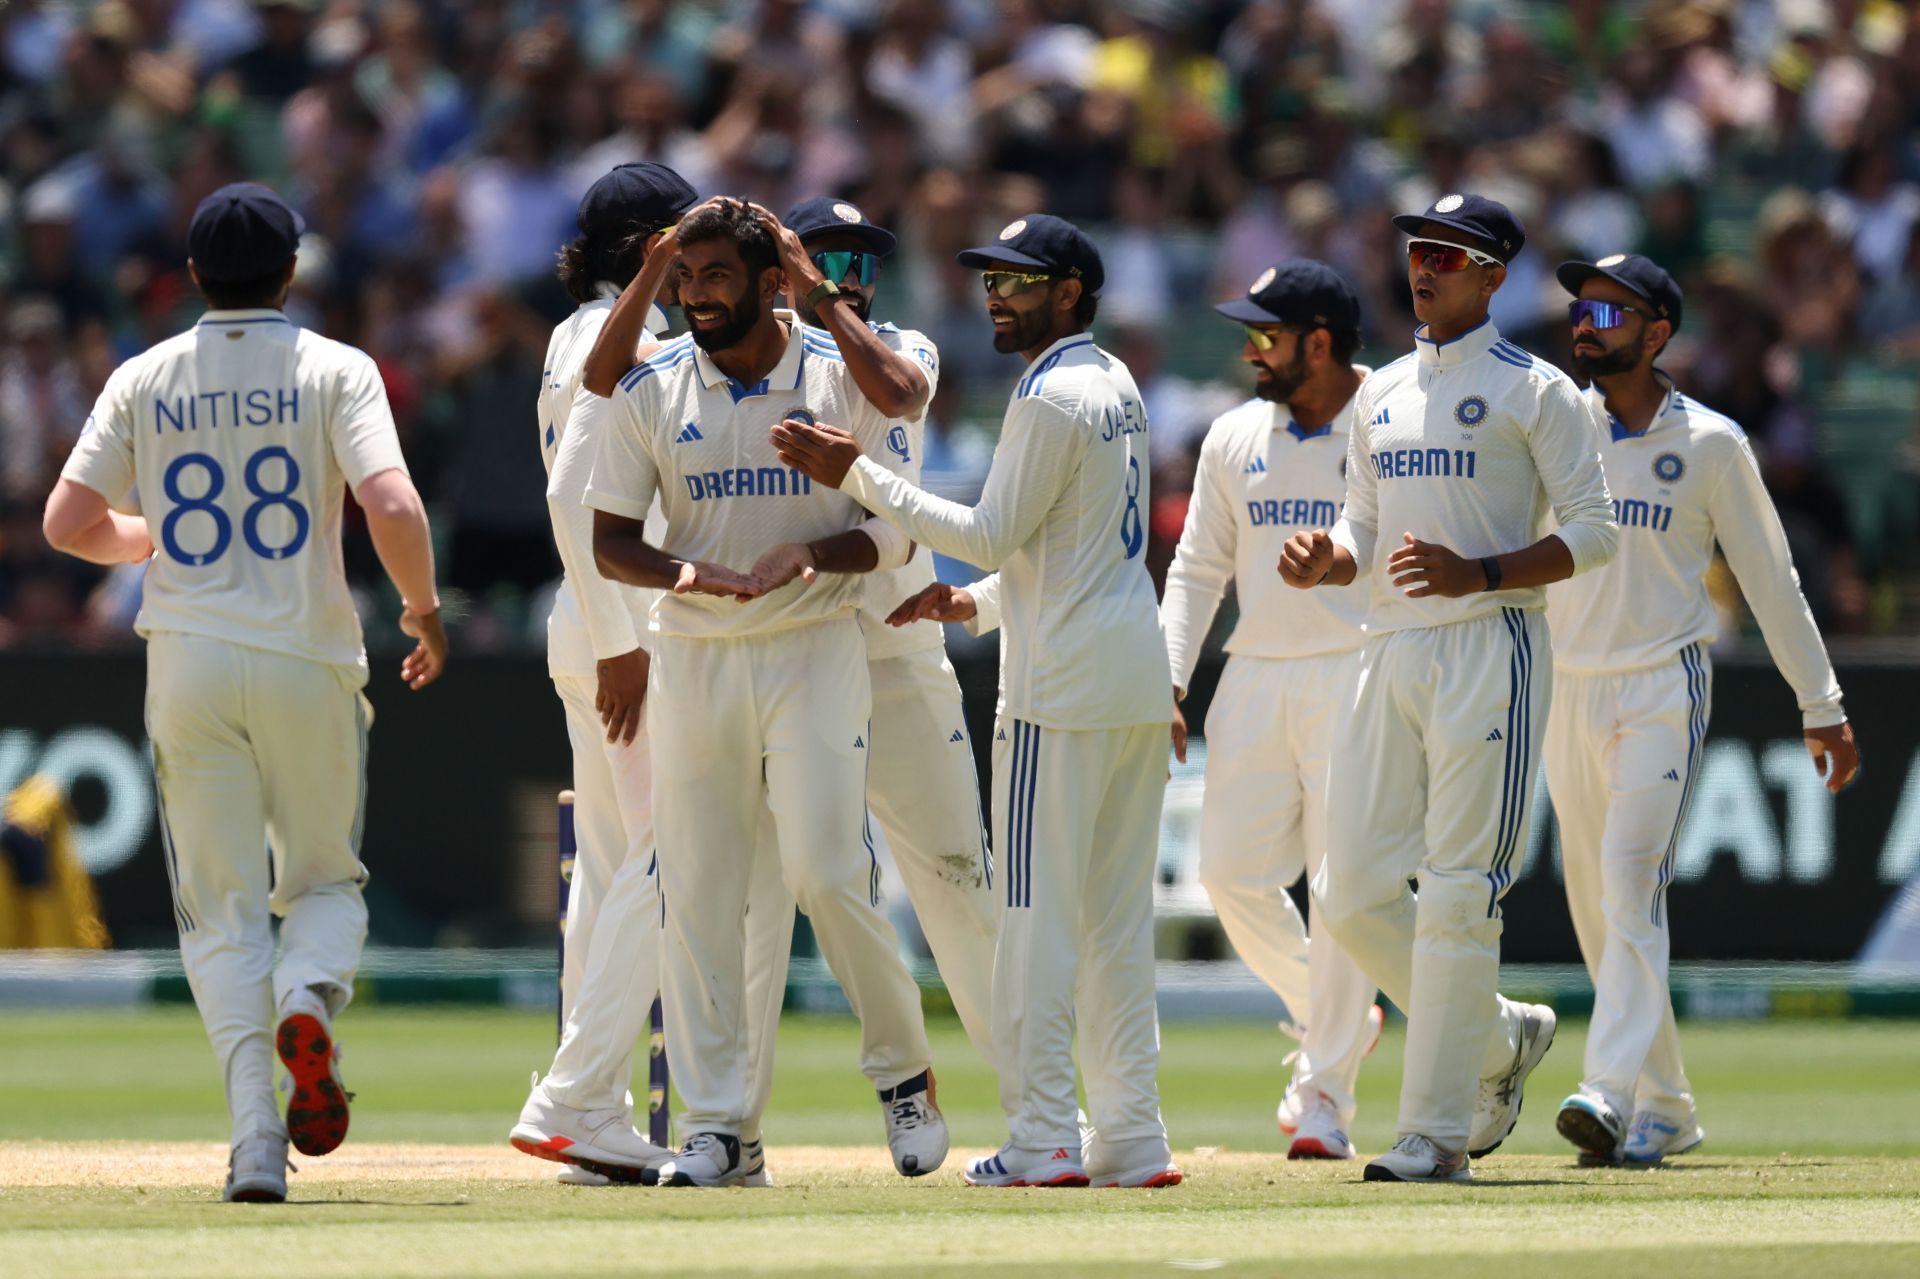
242, 436
1292, 661
1466, 444
755, 704
615, 875
1633, 686
1079, 761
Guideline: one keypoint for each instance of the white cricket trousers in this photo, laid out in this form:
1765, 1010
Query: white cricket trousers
925, 794
1263, 822
613, 922
260, 761
779, 721
1076, 824
1435, 767
1622, 751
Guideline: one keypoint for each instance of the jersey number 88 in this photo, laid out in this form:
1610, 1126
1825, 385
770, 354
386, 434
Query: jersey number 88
264, 499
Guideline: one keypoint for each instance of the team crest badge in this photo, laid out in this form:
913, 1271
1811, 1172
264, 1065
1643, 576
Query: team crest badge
1013, 228
800, 413
846, 213
1448, 203
1471, 411
1266, 278
1668, 468
1615, 260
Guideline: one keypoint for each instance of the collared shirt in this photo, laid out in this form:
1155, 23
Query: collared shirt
886, 588
682, 429
240, 437
1063, 517
1467, 444
1261, 478
1687, 481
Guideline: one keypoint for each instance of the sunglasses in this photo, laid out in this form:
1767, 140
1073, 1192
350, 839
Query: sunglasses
1262, 339
1604, 315
1011, 284
838, 264
1441, 256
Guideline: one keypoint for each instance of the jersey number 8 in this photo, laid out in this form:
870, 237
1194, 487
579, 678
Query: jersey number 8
1132, 534
264, 499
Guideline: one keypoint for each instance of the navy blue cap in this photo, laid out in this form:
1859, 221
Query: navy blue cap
826, 214
1631, 271
1299, 292
243, 231
1044, 243
634, 199
1489, 221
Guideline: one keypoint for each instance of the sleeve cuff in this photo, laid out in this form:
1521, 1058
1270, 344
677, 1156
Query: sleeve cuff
614, 504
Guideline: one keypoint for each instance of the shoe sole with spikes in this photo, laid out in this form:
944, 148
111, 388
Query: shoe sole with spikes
317, 1113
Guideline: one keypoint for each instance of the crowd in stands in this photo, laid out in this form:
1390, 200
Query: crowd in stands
1765, 151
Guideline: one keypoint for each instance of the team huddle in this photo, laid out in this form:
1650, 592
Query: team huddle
1447, 569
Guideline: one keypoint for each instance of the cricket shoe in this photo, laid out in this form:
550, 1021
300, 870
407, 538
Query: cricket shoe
257, 1169
1011, 1166
1415, 1158
575, 1175
1594, 1127
317, 1100
708, 1159
1295, 1102
1146, 1164
601, 1141
1320, 1135
753, 1157
1498, 1108
916, 1131
1651, 1138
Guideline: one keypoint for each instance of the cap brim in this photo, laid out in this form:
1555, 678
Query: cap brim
1247, 311
879, 239
1413, 223
995, 255
1574, 275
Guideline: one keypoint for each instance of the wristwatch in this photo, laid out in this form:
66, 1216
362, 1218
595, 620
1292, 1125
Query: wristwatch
821, 292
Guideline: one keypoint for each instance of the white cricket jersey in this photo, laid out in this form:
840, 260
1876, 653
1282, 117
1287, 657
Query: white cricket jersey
681, 429
1688, 479
241, 436
887, 587
1262, 477
1063, 517
1467, 443
593, 617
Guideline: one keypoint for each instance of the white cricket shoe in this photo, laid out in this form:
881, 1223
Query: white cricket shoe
1593, 1126
1294, 1103
575, 1175
916, 1130
601, 1141
317, 1100
1146, 1164
1320, 1135
1415, 1158
257, 1169
1011, 1166
753, 1157
1651, 1138
1498, 1108
708, 1159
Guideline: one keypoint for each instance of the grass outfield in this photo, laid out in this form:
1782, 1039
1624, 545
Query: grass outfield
110, 1161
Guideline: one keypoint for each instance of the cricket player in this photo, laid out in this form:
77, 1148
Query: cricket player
1080, 751
923, 787
1632, 688
758, 683
1459, 449
240, 437
581, 1114
1274, 465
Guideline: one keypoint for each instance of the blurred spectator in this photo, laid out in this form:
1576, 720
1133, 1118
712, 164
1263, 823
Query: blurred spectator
42, 403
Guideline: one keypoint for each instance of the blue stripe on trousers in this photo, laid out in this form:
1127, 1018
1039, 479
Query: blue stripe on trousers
1691, 661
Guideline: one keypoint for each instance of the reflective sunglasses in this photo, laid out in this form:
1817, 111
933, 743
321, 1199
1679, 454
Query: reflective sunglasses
1011, 284
838, 264
1604, 315
1261, 339
1442, 256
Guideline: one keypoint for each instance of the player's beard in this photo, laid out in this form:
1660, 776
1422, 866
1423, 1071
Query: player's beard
1279, 385
1606, 364
741, 317
1028, 328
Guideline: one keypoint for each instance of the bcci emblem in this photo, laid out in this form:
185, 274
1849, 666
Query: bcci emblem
799, 413
1668, 468
1471, 411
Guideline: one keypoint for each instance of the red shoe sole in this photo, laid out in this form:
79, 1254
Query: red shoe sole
549, 1149
317, 1112
1069, 1180
1159, 1181
1310, 1148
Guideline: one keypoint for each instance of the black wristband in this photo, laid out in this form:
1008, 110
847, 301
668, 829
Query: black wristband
1490, 565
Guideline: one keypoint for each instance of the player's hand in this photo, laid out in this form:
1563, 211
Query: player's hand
429, 657
782, 564
938, 602
1306, 559
1179, 729
1422, 568
622, 694
824, 452
700, 578
802, 275
1835, 757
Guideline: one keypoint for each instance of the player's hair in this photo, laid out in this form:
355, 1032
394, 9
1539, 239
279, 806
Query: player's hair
1345, 344
245, 295
585, 261
733, 220
1085, 309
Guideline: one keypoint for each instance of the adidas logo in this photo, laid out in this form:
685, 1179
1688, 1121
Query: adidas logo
1379, 419
1257, 467
859, 743
956, 736
1494, 736
1672, 775
688, 434
1000, 736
